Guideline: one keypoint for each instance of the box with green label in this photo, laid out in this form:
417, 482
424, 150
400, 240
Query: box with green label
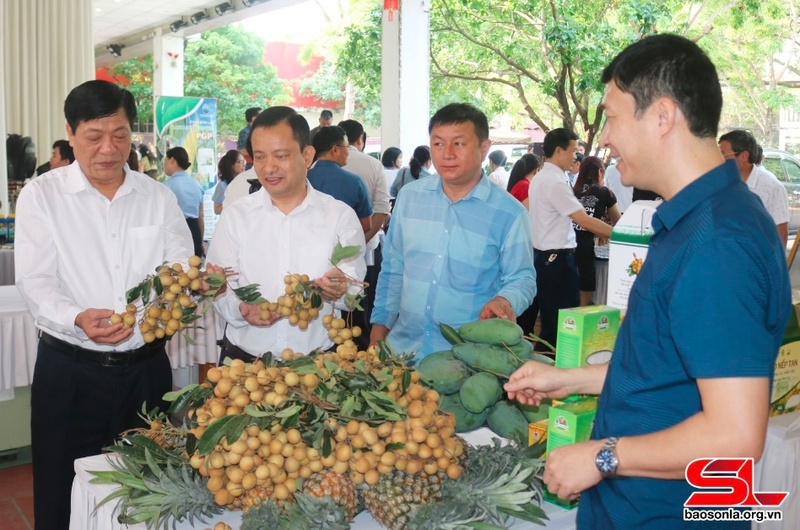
627, 251
586, 335
786, 380
568, 423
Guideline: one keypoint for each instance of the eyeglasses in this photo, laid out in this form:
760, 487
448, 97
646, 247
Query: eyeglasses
345, 146
731, 155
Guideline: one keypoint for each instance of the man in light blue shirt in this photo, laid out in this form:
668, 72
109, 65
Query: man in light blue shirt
458, 249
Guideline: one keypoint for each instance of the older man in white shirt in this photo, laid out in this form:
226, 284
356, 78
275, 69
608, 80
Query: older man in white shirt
85, 234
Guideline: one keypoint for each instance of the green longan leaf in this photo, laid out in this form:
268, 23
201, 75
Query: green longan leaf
146, 289
406, 382
157, 286
227, 426
289, 411
341, 253
256, 412
215, 280
316, 300
172, 396
133, 294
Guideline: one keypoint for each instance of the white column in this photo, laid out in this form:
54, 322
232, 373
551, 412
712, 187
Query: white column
3, 167
167, 64
47, 51
405, 80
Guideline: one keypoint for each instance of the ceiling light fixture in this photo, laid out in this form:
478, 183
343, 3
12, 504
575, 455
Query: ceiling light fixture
198, 17
177, 25
224, 8
115, 49
248, 3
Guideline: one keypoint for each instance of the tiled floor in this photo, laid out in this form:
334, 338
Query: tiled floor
16, 497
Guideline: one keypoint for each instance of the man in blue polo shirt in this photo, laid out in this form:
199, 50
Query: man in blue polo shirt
331, 152
691, 373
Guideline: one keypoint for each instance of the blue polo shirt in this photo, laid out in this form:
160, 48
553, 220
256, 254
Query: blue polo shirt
711, 301
188, 191
328, 177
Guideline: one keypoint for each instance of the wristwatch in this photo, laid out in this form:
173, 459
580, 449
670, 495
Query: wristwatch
607, 459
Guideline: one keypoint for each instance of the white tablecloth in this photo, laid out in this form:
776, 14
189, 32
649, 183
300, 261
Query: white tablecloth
779, 469
6, 266
19, 340
86, 496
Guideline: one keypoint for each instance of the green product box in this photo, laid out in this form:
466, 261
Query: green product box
569, 422
586, 335
786, 379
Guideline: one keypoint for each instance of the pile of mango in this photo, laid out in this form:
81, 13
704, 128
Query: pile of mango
469, 377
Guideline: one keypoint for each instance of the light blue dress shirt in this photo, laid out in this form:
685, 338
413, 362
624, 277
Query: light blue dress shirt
443, 261
188, 191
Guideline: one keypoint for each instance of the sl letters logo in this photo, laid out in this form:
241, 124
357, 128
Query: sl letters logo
731, 483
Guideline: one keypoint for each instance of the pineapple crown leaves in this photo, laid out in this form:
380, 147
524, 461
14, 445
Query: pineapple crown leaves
265, 515
306, 513
313, 513
157, 495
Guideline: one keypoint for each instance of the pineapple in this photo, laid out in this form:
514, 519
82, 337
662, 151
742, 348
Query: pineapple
396, 494
339, 487
252, 498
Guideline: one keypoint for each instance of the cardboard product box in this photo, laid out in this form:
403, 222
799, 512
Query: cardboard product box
537, 431
628, 250
586, 335
786, 381
568, 423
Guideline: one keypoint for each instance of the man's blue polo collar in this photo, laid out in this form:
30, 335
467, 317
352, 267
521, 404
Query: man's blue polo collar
670, 212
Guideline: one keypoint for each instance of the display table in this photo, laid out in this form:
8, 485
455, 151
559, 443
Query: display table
19, 341
779, 469
86, 497
6, 265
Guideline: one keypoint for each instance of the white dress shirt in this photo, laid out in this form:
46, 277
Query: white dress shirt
263, 244
623, 193
551, 202
771, 192
500, 177
371, 172
76, 249
238, 187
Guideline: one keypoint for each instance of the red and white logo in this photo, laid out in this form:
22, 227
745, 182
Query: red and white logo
728, 483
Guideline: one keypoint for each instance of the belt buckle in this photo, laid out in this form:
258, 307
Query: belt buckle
114, 358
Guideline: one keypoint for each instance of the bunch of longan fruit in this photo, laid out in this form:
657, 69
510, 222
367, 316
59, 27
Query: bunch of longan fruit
300, 304
174, 306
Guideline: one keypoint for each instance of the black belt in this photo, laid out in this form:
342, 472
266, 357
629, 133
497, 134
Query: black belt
557, 251
105, 358
237, 352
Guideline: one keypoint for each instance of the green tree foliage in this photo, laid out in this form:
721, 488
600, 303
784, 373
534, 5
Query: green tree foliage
541, 60
225, 63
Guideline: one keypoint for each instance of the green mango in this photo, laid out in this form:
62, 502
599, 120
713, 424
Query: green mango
486, 357
495, 331
505, 419
436, 356
465, 420
534, 413
480, 391
443, 375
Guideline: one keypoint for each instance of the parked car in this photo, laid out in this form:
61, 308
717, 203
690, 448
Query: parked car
787, 168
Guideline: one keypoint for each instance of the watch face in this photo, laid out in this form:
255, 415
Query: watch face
606, 461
